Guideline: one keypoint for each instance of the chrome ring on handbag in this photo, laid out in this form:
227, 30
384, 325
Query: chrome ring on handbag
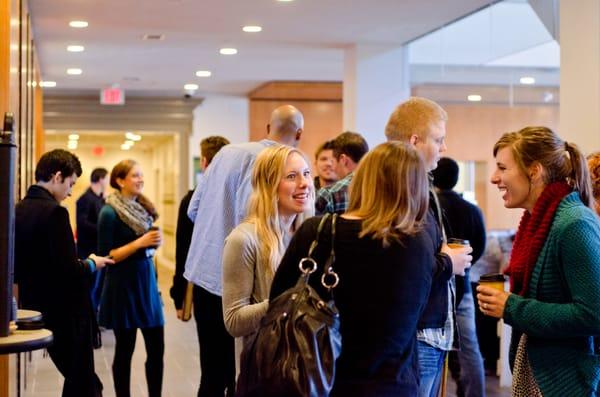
307, 270
332, 274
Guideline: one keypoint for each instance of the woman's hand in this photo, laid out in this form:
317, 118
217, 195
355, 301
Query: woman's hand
101, 261
491, 301
152, 238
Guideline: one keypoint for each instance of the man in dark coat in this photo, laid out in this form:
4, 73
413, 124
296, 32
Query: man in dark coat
89, 205
50, 277
462, 220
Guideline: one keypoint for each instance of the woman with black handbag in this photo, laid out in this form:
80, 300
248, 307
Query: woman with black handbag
282, 190
384, 260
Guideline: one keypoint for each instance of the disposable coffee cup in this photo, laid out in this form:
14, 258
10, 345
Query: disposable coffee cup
457, 243
493, 280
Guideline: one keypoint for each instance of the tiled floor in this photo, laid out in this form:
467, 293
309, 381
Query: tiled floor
182, 373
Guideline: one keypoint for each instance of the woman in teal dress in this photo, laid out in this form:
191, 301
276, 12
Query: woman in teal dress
554, 269
130, 298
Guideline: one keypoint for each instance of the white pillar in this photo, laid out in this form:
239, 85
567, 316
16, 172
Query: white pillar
580, 73
376, 80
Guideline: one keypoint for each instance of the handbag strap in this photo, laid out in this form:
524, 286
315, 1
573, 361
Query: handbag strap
330, 279
307, 264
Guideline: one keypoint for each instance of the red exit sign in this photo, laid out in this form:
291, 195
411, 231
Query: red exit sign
112, 96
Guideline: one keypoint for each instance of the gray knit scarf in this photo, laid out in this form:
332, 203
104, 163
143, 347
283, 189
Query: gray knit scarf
130, 212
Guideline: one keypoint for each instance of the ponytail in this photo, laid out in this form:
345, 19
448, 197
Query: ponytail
579, 178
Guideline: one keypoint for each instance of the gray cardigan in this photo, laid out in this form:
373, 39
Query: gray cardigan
246, 283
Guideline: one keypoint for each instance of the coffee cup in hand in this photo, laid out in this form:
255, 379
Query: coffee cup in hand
493, 280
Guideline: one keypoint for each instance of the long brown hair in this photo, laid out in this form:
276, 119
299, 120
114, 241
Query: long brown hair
561, 160
389, 192
120, 171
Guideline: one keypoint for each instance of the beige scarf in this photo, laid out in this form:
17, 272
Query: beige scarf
130, 212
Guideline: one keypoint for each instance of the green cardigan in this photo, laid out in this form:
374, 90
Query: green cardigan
562, 309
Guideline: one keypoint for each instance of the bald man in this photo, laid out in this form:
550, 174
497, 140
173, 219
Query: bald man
217, 206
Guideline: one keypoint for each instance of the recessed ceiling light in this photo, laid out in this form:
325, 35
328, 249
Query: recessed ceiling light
125, 146
75, 48
133, 137
252, 29
474, 98
153, 37
78, 24
527, 80
73, 137
285, 1
72, 145
74, 71
228, 51
190, 87
48, 84
203, 73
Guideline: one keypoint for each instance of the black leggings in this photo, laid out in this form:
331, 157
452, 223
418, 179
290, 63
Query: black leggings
124, 346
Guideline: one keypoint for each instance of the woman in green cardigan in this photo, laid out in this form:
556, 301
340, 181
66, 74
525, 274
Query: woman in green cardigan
554, 303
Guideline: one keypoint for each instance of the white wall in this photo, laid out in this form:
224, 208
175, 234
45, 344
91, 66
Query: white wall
218, 115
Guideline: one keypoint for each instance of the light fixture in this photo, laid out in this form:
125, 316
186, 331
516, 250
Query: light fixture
129, 143
14, 22
75, 48
252, 29
47, 84
14, 47
190, 87
74, 71
73, 137
72, 145
285, 1
228, 51
78, 24
203, 73
125, 146
132, 137
474, 98
527, 80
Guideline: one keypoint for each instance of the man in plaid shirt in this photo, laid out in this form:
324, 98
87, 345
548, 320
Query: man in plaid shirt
348, 149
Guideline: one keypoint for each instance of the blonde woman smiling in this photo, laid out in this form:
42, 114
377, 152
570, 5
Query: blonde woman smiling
282, 190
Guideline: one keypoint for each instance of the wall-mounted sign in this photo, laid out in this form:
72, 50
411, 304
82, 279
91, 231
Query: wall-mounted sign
112, 96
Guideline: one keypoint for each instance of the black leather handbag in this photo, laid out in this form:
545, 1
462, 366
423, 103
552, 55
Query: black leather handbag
294, 351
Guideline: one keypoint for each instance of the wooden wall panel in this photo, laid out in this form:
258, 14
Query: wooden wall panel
297, 90
4, 55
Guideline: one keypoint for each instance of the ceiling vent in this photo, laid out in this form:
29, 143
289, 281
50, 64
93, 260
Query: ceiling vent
154, 37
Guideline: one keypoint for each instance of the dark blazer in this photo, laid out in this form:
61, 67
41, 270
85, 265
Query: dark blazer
183, 239
51, 279
463, 220
88, 208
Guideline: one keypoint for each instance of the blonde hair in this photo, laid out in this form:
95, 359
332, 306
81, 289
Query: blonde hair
263, 207
561, 160
413, 117
390, 192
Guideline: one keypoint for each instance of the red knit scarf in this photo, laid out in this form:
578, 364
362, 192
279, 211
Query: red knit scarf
531, 236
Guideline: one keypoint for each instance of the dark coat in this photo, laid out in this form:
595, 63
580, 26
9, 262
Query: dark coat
88, 208
51, 279
183, 239
463, 220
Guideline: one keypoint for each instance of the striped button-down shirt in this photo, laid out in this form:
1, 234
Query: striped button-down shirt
218, 205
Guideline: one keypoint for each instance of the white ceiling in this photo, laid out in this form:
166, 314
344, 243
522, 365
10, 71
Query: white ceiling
301, 40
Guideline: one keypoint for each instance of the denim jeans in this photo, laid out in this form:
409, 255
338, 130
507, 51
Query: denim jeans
431, 362
472, 378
